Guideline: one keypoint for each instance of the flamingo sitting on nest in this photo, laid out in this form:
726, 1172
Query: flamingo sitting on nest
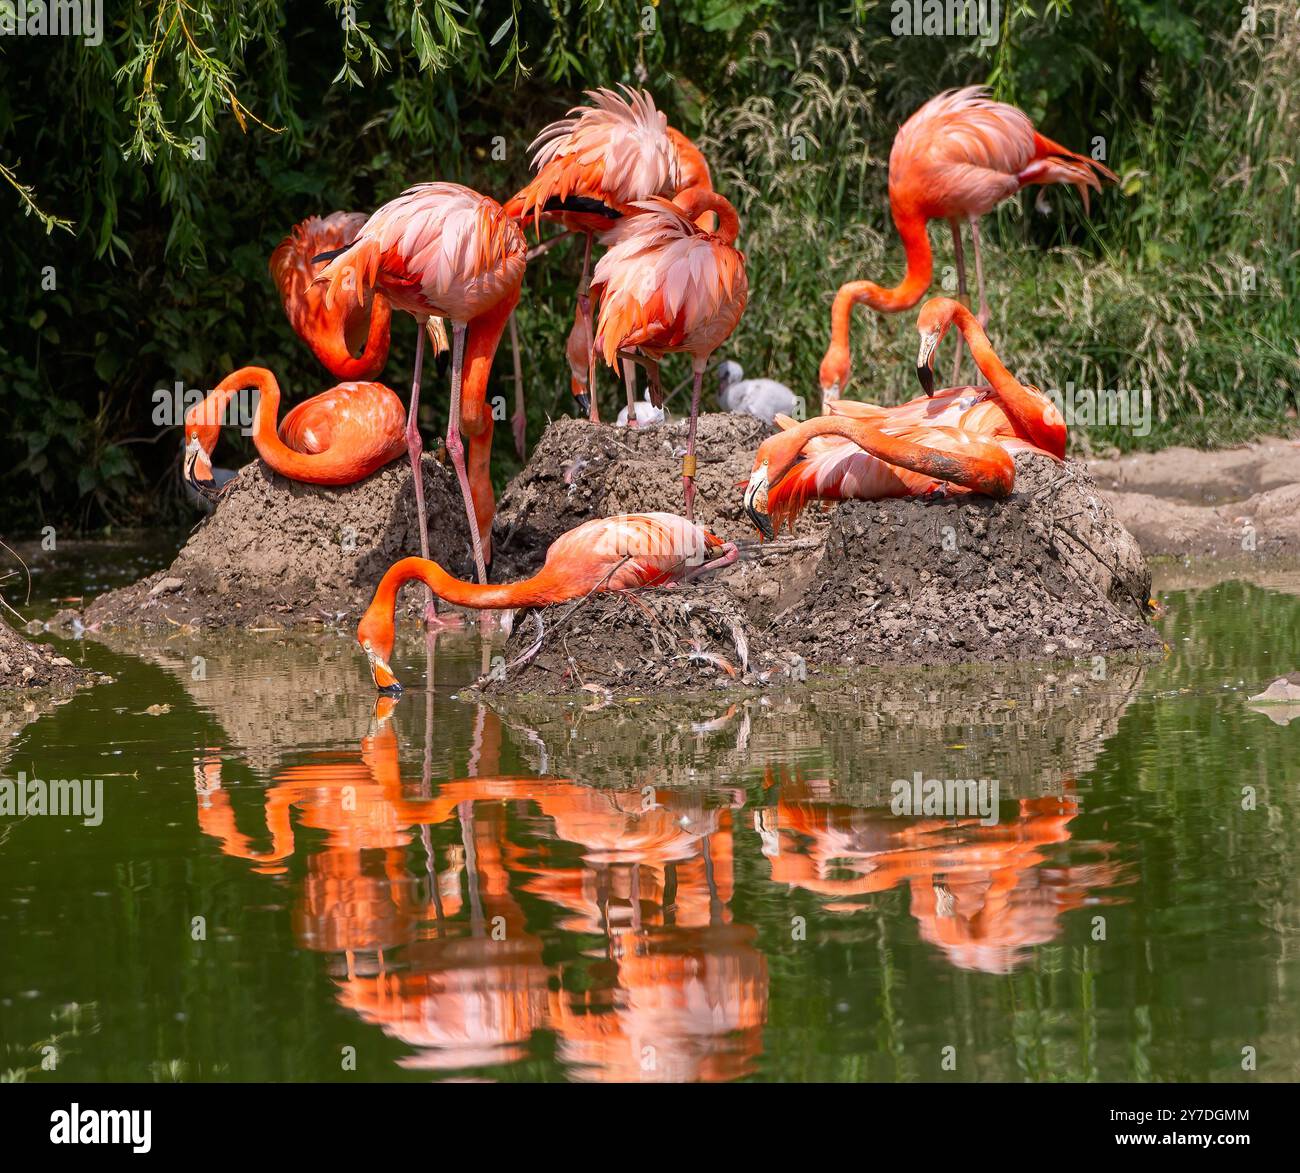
959, 439
605, 554
335, 438
667, 285
955, 159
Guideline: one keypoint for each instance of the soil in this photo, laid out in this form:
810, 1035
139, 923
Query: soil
1049, 573
1242, 501
28, 667
277, 553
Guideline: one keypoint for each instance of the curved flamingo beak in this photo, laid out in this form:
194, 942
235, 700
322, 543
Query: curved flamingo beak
756, 502
925, 360
197, 469
382, 674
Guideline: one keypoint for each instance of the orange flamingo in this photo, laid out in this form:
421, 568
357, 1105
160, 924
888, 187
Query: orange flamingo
335, 438
349, 339
668, 285
604, 554
955, 159
874, 452
441, 250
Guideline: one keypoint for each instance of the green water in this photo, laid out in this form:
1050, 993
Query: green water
652, 890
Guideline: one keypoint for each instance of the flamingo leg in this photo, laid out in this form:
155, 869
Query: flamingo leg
456, 447
584, 307
415, 447
688, 462
960, 257
629, 380
518, 421
983, 316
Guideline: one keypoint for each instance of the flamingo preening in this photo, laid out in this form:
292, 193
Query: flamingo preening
604, 554
441, 250
960, 438
668, 285
349, 338
955, 159
335, 438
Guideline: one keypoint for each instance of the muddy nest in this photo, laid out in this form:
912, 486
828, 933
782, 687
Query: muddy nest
277, 553
581, 470
683, 638
1047, 574
27, 667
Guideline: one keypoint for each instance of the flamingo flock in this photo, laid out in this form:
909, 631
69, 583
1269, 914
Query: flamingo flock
671, 280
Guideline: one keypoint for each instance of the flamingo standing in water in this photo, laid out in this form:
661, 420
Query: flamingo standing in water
441, 250
604, 554
955, 159
962, 438
668, 285
349, 338
335, 438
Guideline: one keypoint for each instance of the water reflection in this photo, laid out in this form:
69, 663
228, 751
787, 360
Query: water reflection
471, 917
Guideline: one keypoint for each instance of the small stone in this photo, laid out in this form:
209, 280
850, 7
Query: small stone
165, 586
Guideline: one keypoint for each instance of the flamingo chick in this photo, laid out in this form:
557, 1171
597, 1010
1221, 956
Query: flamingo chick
667, 285
334, 438
605, 554
764, 399
958, 157
441, 250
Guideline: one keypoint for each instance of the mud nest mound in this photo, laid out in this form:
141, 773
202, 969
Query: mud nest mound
278, 553
684, 639
581, 470
1048, 573
28, 667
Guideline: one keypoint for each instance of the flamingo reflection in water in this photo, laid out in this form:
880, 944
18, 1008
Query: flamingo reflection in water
983, 894
446, 962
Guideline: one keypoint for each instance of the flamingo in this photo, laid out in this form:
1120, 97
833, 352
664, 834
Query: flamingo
955, 159
350, 342
604, 554
764, 399
864, 452
441, 250
591, 168
335, 438
668, 285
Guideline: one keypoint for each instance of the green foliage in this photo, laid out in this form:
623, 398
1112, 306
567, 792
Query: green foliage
183, 147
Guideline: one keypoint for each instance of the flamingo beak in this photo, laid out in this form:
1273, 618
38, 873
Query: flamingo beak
583, 402
925, 360
197, 469
756, 502
829, 395
382, 674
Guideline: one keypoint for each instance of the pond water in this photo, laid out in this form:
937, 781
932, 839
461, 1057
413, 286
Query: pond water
293, 880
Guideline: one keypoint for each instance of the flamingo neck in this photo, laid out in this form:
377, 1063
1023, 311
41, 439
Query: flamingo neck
1033, 416
266, 437
204, 419
335, 353
539, 590
695, 201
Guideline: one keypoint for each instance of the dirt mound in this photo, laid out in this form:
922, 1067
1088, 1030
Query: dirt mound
26, 666
1238, 502
688, 638
278, 553
581, 470
1048, 573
